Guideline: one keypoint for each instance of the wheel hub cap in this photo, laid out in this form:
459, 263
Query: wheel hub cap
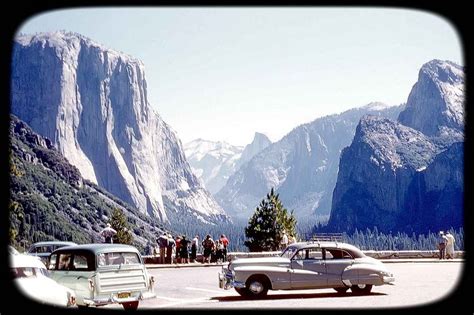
256, 287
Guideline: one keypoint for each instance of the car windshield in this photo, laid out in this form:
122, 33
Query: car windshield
27, 272
288, 252
118, 258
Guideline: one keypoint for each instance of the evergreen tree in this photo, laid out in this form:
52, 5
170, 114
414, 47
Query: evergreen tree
266, 226
119, 223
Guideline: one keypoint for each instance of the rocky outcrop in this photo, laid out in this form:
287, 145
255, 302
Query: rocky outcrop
92, 103
436, 100
407, 175
302, 166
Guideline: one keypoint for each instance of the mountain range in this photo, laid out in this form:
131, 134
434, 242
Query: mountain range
213, 162
302, 167
394, 167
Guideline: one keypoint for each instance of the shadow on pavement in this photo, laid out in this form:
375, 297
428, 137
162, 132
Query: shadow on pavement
293, 296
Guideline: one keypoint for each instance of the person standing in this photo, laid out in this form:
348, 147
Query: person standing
450, 246
178, 249
194, 248
169, 249
162, 244
208, 245
284, 241
442, 241
225, 242
184, 252
291, 239
108, 233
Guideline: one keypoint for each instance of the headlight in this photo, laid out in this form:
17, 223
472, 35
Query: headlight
386, 274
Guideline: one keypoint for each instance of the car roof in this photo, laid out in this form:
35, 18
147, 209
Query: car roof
45, 243
325, 244
23, 260
98, 248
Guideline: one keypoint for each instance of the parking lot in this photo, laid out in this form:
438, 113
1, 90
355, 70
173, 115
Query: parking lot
417, 283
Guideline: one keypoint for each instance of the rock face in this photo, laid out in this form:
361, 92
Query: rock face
92, 103
215, 162
259, 142
436, 100
302, 166
407, 178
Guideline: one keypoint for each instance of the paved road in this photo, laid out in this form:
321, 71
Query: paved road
197, 287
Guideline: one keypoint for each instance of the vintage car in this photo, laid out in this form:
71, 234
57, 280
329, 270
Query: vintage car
33, 280
102, 274
306, 265
44, 249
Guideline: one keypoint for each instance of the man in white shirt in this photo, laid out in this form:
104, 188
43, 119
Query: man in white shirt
284, 241
450, 246
194, 248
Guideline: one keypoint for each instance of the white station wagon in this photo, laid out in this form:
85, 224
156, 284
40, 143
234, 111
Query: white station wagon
306, 265
102, 274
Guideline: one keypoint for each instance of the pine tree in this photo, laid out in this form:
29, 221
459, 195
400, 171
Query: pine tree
119, 223
266, 226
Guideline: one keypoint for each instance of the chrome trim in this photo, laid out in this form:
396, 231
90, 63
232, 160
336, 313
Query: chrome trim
388, 279
227, 281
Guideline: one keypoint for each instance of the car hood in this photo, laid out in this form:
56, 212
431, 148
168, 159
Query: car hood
44, 289
266, 261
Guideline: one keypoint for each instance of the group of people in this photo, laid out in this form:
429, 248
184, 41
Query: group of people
186, 250
446, 245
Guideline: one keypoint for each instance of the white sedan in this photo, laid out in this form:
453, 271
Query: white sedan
32, 279
306, 265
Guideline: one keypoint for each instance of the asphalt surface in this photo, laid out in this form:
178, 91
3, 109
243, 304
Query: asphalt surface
195, 286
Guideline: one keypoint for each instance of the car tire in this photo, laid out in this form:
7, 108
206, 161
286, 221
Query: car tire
341, 290
256, 287
361, 289
243, 292
130, 306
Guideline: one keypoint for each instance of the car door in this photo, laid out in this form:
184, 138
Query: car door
308, 269
72, 270
337, 260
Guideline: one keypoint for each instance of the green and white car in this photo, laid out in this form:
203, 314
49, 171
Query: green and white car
102, 274
306, 265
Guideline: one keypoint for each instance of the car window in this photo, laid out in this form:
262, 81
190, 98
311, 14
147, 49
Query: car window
309, 253
24, 272
52, 262
80, 262
288, 252
315, 253
43, 249
107, 259
65, 261
337, 254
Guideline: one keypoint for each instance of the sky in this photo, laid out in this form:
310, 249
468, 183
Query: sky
222, 74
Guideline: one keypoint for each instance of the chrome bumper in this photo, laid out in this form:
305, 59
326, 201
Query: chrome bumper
227, 281
388, 279
114, 299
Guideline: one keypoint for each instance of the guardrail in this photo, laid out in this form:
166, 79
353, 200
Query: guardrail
402, 254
